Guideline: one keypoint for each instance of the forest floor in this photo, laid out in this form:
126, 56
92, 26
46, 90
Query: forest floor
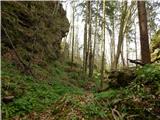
58, 92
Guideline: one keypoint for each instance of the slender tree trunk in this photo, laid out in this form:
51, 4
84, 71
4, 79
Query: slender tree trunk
85, 48
95, 37
125, 17
103, 51
135, 41
84, 45
145, 52
112, 44
127, 49
90, 42
121, 35
72, 58
76, 40
85, 42
122, 56
70, 44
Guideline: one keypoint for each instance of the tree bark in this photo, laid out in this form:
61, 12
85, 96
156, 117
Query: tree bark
85, 47
127, 50
90, 42
103, 51
72, 57
95, 37
135, 41
112, 44
121, 35
145, 52
125, 17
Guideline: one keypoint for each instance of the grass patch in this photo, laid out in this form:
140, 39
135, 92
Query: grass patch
29, 93
107, 94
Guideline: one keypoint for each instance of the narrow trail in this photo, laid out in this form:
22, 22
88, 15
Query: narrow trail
67, 107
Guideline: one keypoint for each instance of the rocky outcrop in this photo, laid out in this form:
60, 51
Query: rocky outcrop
155, 46
35, 28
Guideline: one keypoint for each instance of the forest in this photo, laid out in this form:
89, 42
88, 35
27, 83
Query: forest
80, 60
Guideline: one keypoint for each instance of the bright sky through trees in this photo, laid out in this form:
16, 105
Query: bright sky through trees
79, 23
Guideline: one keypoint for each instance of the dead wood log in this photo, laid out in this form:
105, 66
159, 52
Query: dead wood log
8, 99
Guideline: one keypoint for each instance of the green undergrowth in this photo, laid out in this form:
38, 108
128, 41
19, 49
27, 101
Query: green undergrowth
107, 94
31, 94
61, 97
140, 100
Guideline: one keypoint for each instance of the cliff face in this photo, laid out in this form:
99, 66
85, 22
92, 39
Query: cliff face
35, 28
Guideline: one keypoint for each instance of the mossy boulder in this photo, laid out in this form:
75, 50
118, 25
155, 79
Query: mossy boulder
36, 27
155, 45
120, 78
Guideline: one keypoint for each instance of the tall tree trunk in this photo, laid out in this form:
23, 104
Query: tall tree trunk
76, 40
85, 37
90, 42
70, 43
127, 49
95, 37
145, 52
125, 17
103, 51
122, 56
135, 41
72, 58
85, 48
85, 42
112, 44
121, 35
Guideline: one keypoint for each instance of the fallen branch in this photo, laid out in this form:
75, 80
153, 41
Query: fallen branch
139, 62
7, 99
116, 115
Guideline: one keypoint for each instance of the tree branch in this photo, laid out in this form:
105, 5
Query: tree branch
139, 62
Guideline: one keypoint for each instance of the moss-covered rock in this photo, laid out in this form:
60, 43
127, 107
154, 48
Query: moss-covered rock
121, 78
36, 28
155, 45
